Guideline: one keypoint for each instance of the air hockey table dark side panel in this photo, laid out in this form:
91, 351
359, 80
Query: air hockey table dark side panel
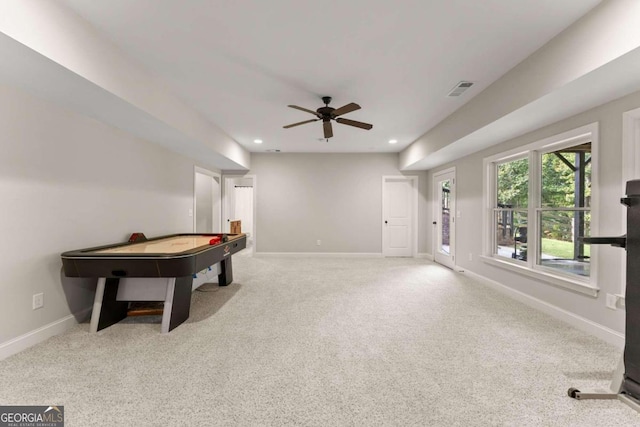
111, 267
219, 253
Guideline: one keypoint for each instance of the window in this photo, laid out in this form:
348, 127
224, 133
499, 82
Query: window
565, 213
445, 218
511, 209
539, 206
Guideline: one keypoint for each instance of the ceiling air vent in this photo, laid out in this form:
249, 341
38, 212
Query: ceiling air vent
460, 88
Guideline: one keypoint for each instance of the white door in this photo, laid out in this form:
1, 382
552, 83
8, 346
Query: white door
445, 220
398, 196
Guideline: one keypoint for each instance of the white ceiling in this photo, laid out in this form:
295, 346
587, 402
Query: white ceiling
241, 63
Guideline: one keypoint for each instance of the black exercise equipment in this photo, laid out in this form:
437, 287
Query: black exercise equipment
625, 384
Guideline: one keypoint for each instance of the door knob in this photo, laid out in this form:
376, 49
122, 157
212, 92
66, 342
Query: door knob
385, 222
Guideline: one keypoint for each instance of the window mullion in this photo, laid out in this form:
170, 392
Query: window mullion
535, 171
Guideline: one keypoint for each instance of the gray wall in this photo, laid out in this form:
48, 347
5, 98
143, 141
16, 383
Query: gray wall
336, 198
68, 182
610, 260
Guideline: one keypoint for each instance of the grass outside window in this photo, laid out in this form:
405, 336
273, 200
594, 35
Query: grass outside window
560, 249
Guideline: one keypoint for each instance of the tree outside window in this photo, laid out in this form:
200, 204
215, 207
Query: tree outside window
512, 209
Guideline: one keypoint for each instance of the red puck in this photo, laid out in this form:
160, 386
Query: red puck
215, 240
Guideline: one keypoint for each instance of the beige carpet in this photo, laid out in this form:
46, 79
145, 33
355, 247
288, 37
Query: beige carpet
327, 342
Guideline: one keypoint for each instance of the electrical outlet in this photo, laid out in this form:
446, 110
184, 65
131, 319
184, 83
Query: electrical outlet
318, 243
38, 301
190, 213
470, 256
621, 301
612, 301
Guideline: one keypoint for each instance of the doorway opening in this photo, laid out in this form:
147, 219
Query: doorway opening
239, 204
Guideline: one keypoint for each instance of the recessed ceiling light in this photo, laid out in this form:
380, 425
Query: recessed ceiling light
393, 141
257, 141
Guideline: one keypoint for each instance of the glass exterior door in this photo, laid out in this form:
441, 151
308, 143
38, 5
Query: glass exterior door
445, 218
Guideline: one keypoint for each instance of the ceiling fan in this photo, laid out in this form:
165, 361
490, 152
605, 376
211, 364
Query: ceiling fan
326, 114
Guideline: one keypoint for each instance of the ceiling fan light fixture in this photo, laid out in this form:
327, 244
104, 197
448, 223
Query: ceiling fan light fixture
327, 114
393, 141
257, 141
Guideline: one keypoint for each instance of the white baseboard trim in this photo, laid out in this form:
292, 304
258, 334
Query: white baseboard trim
331, 255
584, 324
23, 342
317, 255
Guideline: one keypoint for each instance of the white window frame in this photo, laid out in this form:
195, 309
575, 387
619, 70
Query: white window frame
583, 134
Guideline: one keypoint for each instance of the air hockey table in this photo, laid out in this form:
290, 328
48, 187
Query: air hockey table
156, 269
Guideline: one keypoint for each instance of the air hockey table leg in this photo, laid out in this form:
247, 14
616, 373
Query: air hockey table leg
106, 309
97, 306
177, 303
226, 272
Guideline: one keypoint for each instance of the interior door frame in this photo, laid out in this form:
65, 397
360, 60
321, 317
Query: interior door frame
413, 180
254, 180
198, 169
453, 214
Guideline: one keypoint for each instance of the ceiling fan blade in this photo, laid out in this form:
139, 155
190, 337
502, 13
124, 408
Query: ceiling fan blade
328, 130
345, 109
300, 123
360, 125
306, 110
